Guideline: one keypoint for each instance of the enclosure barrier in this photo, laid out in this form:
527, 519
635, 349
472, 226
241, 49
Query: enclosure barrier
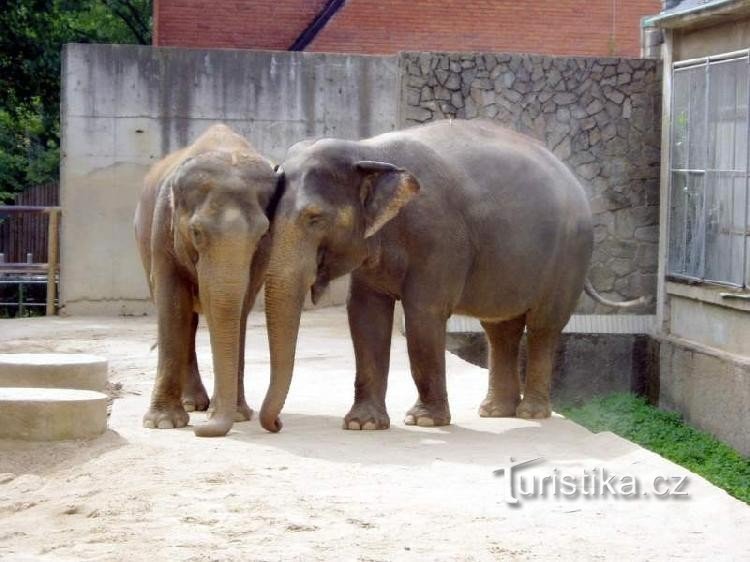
51, 269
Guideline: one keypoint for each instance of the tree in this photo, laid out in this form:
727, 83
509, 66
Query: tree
32, 33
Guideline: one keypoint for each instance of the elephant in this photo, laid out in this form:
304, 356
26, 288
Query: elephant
202, 229
455, 216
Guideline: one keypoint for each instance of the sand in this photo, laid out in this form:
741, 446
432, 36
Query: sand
316, 492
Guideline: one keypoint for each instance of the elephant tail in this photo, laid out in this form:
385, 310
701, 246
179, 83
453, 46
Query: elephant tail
590, 291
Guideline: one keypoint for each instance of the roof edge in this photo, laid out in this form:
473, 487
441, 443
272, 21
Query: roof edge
695, 15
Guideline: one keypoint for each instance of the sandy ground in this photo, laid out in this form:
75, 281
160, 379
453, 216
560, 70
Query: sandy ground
316, 492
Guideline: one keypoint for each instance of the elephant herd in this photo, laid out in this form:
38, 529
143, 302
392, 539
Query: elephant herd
452, 217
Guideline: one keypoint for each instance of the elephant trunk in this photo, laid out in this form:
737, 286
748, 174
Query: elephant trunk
222, 297
288, 278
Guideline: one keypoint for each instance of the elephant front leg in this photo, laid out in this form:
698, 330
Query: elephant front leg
536, 397
244, 412
371, 324
425, 339
194, 395
174, 309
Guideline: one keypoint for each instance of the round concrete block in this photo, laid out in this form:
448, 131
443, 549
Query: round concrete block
53, 370
51, 414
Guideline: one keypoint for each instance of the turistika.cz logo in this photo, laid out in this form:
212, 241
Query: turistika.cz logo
595, 483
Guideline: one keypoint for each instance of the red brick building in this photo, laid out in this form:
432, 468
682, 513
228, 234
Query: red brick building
555, 27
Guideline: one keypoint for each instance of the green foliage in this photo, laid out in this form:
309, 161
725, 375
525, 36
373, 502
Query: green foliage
666, 434
32, 33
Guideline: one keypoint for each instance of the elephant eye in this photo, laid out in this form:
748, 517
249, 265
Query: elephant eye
196, 233
314, 216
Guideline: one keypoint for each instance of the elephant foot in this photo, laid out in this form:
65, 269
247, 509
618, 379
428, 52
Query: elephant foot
195, 399
534, 408
243, 412
167, 416
428, 414
495, 407
367, 415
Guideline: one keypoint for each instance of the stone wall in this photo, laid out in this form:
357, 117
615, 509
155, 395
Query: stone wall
599, 115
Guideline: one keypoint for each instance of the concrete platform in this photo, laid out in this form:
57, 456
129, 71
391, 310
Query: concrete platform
53, 370
317, 492
51, 414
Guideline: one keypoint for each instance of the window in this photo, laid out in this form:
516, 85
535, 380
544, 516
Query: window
709, 237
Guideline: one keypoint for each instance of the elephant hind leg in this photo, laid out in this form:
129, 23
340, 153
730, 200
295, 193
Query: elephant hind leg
542, 344
504, 387
194, 395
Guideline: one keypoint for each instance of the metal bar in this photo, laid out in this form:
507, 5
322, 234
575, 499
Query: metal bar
679, 66
704, 211
713, 58
734, 163
747, 183
52, 243
27, 209
688, 171
30, 267
687, 190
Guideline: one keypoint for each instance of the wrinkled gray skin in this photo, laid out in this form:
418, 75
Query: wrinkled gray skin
459, 217
202, 231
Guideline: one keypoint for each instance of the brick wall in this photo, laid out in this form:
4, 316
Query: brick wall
234, 24
560, 27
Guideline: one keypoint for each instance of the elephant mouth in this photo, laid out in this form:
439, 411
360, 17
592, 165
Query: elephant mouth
322, 278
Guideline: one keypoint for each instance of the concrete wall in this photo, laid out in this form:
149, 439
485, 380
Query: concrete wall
124, 107
599, 115
585, 365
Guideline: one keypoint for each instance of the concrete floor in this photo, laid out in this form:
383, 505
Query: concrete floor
316, 492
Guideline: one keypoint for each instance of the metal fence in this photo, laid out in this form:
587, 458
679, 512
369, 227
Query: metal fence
708, 219
26, 233
29, 252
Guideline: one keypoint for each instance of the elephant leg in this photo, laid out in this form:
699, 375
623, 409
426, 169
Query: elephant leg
194, 396
244, 412
536, 396
174, 303
425, 340
371, 324
504, 387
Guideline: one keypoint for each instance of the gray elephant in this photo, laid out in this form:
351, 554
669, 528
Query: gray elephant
456, 216
202, 231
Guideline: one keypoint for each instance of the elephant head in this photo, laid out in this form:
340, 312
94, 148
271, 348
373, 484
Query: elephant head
222, 203
337, 196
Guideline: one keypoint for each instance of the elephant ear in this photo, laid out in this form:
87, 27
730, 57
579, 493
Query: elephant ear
385, 189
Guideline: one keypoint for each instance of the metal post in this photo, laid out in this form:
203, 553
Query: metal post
52, 266
20, 299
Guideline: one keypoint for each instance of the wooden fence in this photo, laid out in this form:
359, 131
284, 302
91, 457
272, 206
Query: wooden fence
26, 233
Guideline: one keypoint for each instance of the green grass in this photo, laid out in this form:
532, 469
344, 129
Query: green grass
666, 434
